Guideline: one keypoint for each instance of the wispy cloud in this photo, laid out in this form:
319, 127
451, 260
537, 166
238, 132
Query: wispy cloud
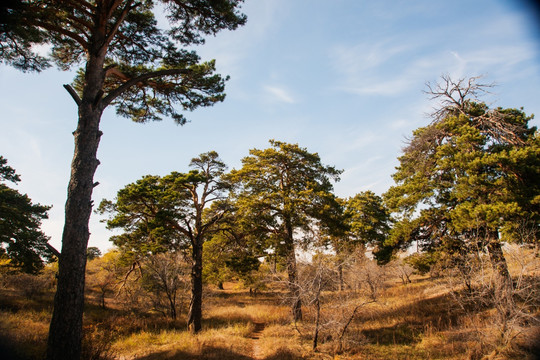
390, 66
359, 67
279, 94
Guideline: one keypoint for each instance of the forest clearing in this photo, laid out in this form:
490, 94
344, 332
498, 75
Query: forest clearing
432, 317
258, 251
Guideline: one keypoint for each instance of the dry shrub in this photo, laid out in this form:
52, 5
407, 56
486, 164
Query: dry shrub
96, 344
508, 309
31, 286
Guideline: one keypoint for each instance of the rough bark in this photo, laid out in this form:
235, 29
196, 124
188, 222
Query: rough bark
65, 332
195, 309
293, 276
340, 275
496, 256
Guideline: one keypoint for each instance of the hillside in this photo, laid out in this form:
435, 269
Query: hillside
424, 319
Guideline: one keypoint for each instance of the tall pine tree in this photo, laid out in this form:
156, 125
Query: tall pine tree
128, 62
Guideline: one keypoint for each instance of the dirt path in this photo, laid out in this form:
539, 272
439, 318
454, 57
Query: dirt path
255, 335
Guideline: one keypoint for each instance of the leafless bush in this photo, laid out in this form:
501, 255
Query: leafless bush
29, 285
366, 276
400, 269
331, 311
96, 344
477, 288
103, 275
166, 278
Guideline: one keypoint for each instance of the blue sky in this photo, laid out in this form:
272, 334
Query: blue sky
342, 78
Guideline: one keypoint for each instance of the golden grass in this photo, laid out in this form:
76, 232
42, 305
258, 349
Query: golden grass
24, 332
232, 339
414, 321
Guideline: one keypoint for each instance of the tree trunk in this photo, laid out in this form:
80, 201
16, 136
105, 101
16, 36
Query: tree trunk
65, 332
317, 321
172, 304
340, 274
503, 286
496, 256
195, 309
293, 277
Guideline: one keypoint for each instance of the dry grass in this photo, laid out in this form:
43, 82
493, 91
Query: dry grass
415, 321
23, 333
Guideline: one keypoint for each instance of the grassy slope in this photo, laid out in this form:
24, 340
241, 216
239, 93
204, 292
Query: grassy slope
415, 321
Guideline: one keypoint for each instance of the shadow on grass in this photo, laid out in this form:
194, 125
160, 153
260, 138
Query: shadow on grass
10, 352
436, 313
215, 353
283, 354
401, 334
208, 353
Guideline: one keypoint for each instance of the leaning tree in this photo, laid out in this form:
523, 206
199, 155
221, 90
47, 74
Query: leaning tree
282, 193
468, 177
128, 62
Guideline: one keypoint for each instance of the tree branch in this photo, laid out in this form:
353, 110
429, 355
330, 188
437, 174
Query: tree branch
119, 21
73, 94
53, 250
139, 79
62, 31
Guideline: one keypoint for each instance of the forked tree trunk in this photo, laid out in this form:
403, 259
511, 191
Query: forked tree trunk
172, 304
195, 309
65, 332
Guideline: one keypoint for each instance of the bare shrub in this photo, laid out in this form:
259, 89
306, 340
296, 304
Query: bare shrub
166, 278
400, 269
329, 311
102, 275
96, 344
510, 307
366, 276
29, 285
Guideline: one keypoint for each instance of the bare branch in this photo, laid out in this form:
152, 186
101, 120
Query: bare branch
73, 94
53, 250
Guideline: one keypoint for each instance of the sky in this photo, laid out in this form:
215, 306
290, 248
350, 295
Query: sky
342, 78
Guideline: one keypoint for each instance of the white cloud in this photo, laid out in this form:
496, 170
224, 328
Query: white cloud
279, 94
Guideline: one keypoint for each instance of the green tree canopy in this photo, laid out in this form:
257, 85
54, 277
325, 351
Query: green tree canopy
284, 194
129, 62
468, 176
21, 238
368, 221
172, 213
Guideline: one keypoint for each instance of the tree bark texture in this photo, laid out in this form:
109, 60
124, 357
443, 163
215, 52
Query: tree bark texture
496, 256
65, 332
293, 276
195, 309
340, 275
